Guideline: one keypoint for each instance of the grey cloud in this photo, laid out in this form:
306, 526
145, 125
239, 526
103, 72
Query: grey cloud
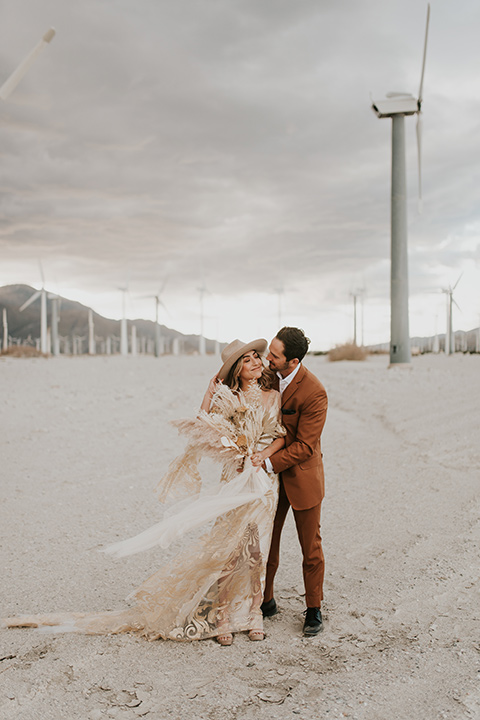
155, 132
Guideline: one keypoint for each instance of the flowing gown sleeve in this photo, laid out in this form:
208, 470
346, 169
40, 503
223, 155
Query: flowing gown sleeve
208, 434
228, 434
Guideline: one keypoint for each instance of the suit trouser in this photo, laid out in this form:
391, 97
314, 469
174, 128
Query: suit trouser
308, 530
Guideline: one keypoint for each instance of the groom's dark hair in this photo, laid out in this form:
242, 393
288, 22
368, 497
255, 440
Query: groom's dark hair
294, 341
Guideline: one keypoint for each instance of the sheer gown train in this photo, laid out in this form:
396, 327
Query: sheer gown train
215, 585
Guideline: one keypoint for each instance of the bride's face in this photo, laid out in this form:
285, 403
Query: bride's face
252, 367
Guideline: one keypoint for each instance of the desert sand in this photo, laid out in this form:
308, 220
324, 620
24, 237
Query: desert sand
83, 443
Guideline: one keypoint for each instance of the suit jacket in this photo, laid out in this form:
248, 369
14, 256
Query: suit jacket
304, 410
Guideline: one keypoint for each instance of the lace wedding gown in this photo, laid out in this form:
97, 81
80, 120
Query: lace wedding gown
216, 584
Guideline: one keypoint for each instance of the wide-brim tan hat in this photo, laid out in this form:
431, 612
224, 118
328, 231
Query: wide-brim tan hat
235, 350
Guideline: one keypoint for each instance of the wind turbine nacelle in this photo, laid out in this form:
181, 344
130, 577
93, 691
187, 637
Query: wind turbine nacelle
398, 105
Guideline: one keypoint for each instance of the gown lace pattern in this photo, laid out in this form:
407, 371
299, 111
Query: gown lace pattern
215, 585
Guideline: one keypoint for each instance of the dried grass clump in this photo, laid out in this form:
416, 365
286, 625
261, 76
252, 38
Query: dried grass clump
378, 351
22, 351
349, 351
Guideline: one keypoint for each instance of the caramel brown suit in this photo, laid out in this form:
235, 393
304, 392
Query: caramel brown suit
302, 486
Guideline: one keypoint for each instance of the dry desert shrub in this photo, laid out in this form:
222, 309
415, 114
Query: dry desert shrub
23, 351
378, 351
349, 351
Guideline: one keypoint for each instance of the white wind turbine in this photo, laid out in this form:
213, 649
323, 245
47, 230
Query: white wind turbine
55, 304
12, 81
42, 294
5, 330
397, 106
359, 293
91, 333
449, 348
158, 302
123, 321
133, 340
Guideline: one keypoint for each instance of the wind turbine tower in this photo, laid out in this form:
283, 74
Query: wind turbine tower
396, 106
42, 294
5, 330
158, 302
157, 327
54, 300
356, 294
123, 323
449, 344
91, 333
201, 340
133, 340
158, 339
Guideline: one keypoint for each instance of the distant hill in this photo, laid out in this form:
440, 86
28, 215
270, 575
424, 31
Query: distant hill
24, 327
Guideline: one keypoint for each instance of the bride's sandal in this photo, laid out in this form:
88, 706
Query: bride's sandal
225, 639
256, 635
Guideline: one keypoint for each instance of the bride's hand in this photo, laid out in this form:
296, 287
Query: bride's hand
212, 385
210, 392
256, 459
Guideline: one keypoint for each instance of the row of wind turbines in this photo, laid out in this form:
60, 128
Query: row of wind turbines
358, 297
49, 341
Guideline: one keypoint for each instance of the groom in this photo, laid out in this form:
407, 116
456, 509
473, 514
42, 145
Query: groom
300, 469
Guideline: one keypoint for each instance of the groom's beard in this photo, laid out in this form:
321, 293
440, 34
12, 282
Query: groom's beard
272, 367
275, 368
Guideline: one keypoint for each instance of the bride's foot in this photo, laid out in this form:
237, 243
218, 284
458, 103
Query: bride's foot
225, 639
256, 635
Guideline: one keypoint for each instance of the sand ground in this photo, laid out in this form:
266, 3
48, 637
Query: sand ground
83, 442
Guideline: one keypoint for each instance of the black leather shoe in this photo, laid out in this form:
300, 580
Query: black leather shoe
313, 622
269, 608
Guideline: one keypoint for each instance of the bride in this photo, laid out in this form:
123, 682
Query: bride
214, 587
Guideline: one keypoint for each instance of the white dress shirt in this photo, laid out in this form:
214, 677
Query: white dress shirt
284, 383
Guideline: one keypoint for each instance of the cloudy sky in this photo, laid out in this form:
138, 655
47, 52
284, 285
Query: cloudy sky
231, 145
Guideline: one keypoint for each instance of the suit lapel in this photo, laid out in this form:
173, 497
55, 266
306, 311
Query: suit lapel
292, 387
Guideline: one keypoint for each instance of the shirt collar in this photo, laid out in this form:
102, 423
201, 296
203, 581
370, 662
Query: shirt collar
285, 382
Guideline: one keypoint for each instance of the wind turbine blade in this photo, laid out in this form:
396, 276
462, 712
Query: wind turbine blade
459, 278
420, 91
11, 83
160, 302
42, 273
162, 287
419, 150
455, 303
30, 300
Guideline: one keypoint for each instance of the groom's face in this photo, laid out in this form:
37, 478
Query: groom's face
277, 360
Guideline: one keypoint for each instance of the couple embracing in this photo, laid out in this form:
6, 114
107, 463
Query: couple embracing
262, 424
